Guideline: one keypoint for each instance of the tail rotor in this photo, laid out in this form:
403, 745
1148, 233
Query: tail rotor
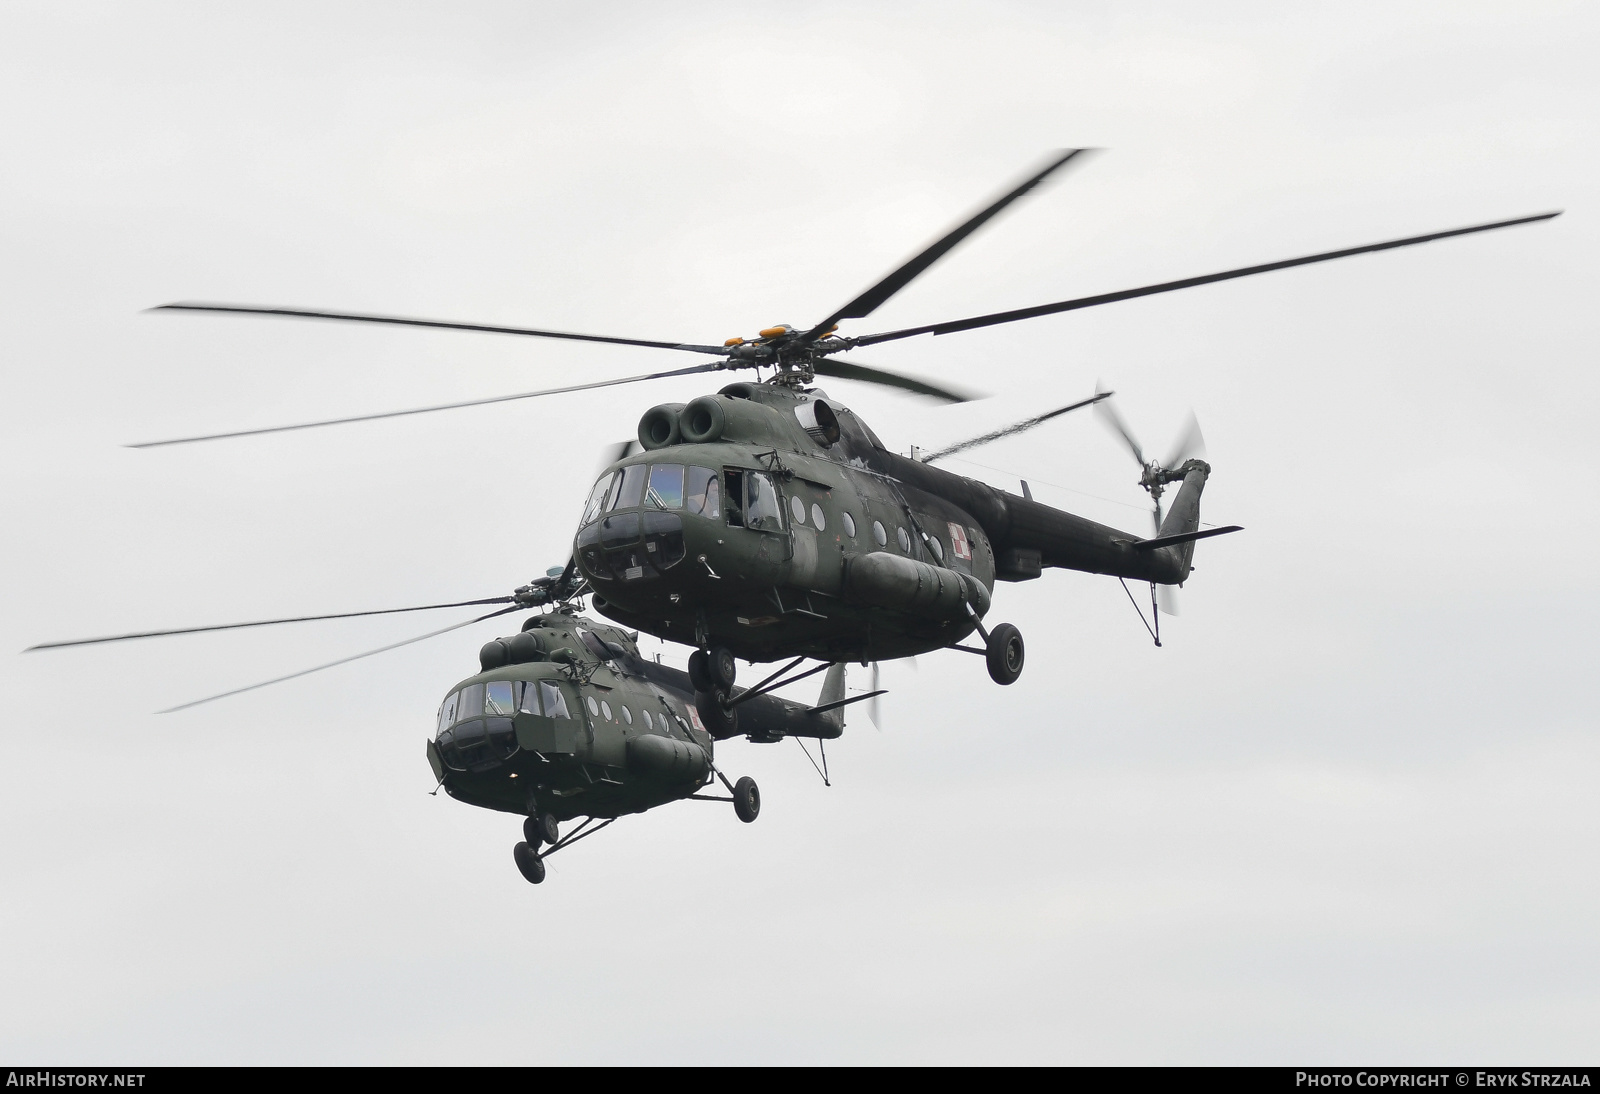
1154, 475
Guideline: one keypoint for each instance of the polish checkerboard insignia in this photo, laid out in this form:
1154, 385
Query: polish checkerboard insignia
958, 542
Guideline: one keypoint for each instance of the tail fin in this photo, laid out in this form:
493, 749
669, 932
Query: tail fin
832, 692
1184, 516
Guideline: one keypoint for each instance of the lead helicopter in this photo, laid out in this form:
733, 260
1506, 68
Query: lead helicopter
767, 521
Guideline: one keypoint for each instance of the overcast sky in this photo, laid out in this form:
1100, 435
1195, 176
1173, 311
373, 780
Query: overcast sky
1346, 814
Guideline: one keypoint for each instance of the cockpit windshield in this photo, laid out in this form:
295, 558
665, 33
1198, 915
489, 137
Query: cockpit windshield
666, 486
629, 486
597, 498
476, 724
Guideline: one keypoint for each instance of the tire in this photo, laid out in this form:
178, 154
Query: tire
529, 862
1005, 654
541, 828
746, 799
699, 673
720, 720
724, 669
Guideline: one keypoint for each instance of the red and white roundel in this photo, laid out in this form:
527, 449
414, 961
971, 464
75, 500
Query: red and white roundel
958, 542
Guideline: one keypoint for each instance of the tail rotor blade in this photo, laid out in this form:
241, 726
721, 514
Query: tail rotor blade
1167, 599
1190, 445
873, 710
1107, 413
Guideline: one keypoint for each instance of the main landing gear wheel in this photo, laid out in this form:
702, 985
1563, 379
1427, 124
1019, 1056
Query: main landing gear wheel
699, 673
722, 666
720, 719
541, 828
746, 799
1004, 654
529, 862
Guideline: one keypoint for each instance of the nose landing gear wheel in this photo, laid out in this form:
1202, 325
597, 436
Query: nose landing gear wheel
529, 862
541, 828
1004, 654
746, 799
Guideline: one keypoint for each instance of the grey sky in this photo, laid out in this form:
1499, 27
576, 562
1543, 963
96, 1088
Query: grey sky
1346, 814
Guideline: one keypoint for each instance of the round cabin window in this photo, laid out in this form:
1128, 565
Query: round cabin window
798, 509
594, 707
849, 524
879, 534
905, 540
937, 548
817, 518
627, 715
605, 708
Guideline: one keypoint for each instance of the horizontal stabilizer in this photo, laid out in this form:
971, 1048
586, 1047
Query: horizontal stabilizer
845, 702
1184, 537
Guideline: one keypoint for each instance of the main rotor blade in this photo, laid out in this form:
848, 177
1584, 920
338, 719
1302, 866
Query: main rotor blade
848, 370
430, 409
341, 661
613, 453
400, 321
264, 623
1171, 286
1107, 413
1010, 430
869, 300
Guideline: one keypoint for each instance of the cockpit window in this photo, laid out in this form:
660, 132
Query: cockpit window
629, 487
597, 498
555, 703
762, 510
704, 493
530, 699
497, 698
471, 705
666, 486
447, 712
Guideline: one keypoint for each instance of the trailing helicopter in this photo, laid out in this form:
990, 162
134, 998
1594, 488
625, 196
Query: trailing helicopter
568, 719
767, 521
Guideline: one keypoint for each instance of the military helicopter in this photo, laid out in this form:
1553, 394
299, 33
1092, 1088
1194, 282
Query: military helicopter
768, 521
567, 719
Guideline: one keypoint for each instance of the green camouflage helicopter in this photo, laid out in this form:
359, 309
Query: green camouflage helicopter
568, 719
768, 521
